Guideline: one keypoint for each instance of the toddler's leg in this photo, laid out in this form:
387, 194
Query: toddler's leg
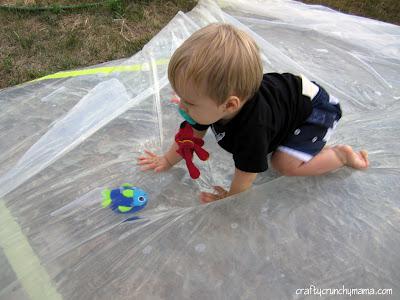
329, 159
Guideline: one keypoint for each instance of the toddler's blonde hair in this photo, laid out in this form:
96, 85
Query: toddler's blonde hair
220, 61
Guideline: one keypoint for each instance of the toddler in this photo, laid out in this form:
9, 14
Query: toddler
218, 75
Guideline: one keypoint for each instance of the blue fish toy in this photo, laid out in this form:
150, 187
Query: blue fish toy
125, 199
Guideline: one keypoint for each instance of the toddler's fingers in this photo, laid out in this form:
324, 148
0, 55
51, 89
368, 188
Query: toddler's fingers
148, 167
150, 153
207, 197
145, 161
219, 189
203, 198
142, 162
159, 169
145, 168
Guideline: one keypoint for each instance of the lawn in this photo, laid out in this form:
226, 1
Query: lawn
41, 37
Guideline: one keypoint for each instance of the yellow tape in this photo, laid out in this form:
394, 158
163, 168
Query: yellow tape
27, 267
102, 70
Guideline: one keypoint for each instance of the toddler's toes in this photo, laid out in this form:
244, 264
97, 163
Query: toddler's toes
364, 155
358, 160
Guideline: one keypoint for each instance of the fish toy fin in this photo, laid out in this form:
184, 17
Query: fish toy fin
128, 193
106, 193
124, 209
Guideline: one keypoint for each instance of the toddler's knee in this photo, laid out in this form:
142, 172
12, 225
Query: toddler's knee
282, 168
287, 172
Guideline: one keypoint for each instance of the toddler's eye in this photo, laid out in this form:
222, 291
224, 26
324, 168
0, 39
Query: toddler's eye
186, 103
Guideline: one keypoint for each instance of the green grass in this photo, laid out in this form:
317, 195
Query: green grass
40, 42
383, 10
7, 65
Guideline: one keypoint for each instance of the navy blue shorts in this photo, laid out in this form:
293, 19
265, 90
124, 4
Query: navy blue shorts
308, 140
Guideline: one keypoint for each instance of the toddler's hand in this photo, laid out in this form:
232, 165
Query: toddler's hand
153, 161
210, 197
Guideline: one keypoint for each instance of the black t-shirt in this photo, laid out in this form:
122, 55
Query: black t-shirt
264, 121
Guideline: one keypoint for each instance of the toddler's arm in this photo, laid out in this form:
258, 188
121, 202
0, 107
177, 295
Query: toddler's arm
241, 181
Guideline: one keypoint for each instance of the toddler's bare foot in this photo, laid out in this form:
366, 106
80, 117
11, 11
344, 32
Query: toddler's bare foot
356, 160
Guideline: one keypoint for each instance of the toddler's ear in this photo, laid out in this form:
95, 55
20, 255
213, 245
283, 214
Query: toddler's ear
233, 103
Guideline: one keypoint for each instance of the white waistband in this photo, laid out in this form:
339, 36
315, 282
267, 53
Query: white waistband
309, 89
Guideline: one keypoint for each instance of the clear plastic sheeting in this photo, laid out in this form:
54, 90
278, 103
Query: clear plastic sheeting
63, 140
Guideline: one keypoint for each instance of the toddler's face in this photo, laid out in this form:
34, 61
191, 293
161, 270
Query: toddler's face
202, 109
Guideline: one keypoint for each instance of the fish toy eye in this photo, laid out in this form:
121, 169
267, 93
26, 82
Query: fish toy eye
141, 199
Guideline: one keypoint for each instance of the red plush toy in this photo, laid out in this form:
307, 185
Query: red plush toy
188, 143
